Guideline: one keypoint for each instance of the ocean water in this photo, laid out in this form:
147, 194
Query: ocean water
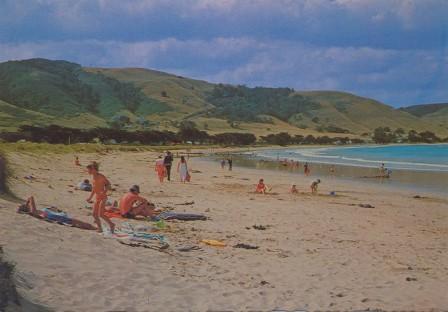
416, 157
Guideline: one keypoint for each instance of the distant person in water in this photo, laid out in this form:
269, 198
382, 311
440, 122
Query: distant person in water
52, 214
306, 169
230, 162
294, 189
223, 164
168, 162
315, 186
182, 169
133, 205
382, 169
77, 163
160, 169
261, 187
99, 190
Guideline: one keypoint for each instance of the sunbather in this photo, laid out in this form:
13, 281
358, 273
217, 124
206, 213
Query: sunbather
52, 214
133, 205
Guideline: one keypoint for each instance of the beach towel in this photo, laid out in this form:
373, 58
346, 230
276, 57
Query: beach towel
169, 215
113, 214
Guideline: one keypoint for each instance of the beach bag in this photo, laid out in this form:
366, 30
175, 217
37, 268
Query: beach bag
188, 177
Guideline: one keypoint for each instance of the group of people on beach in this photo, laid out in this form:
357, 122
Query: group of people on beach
164, 164
229, 162
262, 188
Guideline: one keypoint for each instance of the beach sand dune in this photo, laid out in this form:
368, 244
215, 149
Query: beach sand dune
315, 252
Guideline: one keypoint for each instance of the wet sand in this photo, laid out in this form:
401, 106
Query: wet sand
432, 182
316, 251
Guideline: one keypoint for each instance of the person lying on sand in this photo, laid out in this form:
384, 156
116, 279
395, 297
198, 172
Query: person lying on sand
52, 214
133, 205
100, 187
294, 189
261, 187
314, 186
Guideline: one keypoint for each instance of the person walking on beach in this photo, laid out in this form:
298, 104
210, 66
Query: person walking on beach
99, 189
168, 162
182, 169
160, 169
223, 164
230, 162
306, 169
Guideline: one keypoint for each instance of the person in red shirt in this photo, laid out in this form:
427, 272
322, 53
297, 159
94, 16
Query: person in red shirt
133, 205
261, 187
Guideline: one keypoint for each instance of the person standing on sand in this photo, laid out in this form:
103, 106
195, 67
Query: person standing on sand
168, 162
182, 169
223, 164
160, 169
230, 161
306, 169
100, 187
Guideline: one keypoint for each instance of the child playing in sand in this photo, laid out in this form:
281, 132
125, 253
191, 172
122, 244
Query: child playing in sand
294, 189
314, 186
261, 187
100, 187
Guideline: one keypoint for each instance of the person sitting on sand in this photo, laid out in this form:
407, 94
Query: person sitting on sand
51, 214
294, 189
314, 186
133, 205
77, 163
100, 187
85, 186
261, 187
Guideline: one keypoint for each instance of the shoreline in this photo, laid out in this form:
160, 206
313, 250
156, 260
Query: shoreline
430, 182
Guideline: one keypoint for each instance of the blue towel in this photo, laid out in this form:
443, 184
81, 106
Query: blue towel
168, 215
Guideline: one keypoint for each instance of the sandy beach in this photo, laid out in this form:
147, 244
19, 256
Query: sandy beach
317, 252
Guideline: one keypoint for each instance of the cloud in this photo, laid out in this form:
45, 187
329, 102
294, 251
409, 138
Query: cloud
394, 76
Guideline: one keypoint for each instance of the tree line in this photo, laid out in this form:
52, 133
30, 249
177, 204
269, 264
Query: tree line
384, 135
54, 134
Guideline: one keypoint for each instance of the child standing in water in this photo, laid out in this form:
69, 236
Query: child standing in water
100, 187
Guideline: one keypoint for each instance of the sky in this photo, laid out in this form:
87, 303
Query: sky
395, 51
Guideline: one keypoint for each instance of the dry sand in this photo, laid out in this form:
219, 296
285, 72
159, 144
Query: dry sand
318, 252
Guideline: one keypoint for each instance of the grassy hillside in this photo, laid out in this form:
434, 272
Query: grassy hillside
44, 92
436, 114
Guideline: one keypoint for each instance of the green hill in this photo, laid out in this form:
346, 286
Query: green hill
431, 113
41, 92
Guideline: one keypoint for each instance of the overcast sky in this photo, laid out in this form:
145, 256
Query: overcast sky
391, 50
